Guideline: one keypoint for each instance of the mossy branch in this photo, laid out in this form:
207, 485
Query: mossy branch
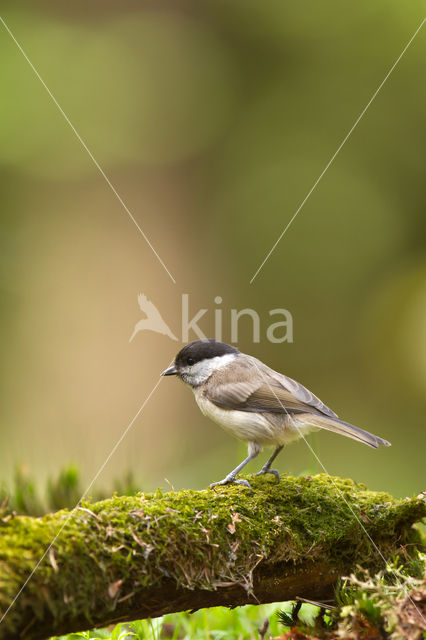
134, 557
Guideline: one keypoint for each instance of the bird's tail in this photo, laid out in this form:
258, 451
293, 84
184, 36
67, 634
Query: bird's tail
344, 428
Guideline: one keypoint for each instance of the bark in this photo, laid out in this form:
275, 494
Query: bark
135, 557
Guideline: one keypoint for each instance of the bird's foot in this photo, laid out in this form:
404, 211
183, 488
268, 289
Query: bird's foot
232, 480
264, 470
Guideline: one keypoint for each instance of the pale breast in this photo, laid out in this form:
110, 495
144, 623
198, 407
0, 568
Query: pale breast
263, 428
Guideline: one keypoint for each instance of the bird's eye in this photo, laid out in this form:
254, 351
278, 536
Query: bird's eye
190, 360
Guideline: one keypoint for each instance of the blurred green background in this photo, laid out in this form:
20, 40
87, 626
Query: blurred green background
213, 120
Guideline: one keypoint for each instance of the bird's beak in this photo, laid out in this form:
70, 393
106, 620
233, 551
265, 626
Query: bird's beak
171, 371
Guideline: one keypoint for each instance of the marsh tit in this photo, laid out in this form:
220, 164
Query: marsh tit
255, 403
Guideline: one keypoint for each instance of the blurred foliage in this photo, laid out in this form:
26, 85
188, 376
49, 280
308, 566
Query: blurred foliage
217, 623
179, 63
63, 492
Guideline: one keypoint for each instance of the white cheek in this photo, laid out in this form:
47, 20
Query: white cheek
199, 372
196, 374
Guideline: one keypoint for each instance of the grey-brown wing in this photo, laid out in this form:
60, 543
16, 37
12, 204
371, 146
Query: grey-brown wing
300, 392
264, 390
264, 399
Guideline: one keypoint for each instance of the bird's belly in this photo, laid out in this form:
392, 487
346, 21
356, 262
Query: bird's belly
263, 428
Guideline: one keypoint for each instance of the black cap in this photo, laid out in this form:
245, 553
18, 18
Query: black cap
202, 350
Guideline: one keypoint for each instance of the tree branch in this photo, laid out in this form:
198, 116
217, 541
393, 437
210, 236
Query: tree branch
135, 557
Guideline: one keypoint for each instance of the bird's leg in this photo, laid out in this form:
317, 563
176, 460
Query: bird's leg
267, 466
253, 451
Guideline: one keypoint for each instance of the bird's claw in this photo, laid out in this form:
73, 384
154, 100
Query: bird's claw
232, 480
266, 470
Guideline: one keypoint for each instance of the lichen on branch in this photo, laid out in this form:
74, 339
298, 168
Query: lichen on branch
133, 557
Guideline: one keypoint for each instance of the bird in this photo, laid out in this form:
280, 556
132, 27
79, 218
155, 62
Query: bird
254, 403
153, 320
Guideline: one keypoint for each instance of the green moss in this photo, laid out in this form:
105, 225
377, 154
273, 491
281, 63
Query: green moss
200, 539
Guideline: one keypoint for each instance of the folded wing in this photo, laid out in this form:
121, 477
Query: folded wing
264, 390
